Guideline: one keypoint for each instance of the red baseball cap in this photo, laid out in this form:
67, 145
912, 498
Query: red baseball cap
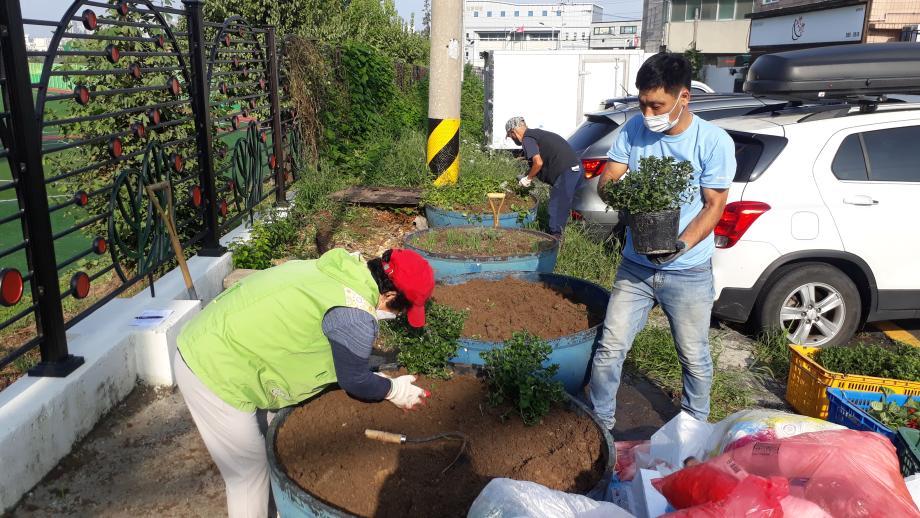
414, 278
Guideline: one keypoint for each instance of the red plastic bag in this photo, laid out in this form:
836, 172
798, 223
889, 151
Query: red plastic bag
752, 497
846, 472
701, 484
626, 458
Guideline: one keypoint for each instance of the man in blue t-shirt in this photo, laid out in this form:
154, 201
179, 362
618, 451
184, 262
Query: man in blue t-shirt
681, 282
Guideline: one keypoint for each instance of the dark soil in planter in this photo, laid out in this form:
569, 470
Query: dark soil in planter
322, 447
481, 242
499, 308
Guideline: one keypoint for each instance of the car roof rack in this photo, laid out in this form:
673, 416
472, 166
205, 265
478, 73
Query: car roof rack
858, 74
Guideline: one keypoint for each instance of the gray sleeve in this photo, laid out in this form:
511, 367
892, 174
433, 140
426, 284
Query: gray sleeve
356, 329
531, 149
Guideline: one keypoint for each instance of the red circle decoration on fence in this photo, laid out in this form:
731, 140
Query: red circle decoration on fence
115, 147
100, 245
194, 193
79, 285
90, 22
81, 94
176, 162
135, 70
11, 287
112, 54
122, 8
223, 208
235, 122
160, 41
173, 86
154, 116
272, 162
139, 130
80, 198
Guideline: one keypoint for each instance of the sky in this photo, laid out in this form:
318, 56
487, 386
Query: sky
54, 9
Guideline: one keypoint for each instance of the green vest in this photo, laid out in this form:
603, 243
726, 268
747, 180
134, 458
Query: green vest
260, 344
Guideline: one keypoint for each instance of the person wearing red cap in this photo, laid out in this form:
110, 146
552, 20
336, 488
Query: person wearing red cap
282, 335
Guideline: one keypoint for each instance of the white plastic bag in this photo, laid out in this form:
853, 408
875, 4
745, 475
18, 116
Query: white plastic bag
507, 498
679, 439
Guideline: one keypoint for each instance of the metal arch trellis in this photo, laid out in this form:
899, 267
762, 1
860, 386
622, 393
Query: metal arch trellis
243, 74
146, 244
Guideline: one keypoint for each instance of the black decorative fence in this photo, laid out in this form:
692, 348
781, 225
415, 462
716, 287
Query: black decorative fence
129, 94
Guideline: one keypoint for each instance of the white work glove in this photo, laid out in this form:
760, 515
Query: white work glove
525, 181
403, 393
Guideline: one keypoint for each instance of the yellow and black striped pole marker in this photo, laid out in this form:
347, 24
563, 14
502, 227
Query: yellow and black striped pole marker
444, 150
446, 58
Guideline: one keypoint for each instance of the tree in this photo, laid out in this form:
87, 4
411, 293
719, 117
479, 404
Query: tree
695, 57
426, 18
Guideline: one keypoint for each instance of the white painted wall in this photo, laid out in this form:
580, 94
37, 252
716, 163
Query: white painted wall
42, 418
719, 79
712, 36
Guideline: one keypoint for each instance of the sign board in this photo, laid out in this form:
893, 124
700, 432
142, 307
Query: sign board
843, 24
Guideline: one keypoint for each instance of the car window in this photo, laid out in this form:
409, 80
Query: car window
894, 155
754, 154
849, 162
590, 132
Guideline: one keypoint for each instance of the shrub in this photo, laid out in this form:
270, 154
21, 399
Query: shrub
515, 374
426, 350
659, 184
901, 362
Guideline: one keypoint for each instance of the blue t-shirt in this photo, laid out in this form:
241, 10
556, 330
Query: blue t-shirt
706, 146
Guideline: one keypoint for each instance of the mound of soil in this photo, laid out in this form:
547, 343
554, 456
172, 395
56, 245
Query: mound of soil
481, 242
499, 308
322, 448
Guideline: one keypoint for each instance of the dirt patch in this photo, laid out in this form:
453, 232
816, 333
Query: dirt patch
499, 308
322, 447
482, 242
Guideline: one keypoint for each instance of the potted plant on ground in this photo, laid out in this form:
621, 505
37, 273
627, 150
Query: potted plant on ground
651, 196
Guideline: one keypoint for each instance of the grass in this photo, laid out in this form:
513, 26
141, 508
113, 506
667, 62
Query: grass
585, 258
771, 355
654, 356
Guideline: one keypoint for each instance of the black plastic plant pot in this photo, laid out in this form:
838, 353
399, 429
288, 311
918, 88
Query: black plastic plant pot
654, 232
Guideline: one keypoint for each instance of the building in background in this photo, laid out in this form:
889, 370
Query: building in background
489, 25
615, 35
778, 25
717, 28
654, 18
37, 43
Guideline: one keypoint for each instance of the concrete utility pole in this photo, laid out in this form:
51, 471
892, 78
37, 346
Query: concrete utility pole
444, 91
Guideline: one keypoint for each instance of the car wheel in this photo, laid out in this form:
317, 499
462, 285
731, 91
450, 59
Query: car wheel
816, 304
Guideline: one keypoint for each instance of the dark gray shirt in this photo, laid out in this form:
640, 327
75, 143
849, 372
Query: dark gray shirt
352, 333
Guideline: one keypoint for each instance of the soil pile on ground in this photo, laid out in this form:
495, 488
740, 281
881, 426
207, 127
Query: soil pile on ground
481, 242
499, 308
322, 447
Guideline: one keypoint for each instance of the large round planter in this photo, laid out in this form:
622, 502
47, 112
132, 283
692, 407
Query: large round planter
448, 218
292, 501
448, 265
571, 352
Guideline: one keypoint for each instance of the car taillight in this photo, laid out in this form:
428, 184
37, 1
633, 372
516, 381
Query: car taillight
736, 219
593, 168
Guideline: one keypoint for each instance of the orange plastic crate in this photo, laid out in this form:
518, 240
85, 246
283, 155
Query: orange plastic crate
806, 389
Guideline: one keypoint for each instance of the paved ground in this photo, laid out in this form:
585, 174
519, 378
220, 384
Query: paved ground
907, 331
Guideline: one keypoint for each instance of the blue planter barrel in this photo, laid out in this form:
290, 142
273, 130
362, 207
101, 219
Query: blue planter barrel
448, 265
294, 502
571, 352
447, 218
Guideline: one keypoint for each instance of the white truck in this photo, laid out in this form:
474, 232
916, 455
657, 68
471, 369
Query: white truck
553, 89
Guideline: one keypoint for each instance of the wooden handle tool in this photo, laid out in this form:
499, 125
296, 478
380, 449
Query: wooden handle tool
379, 435
500, 196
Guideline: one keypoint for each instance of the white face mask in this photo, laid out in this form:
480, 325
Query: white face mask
663, 122
383, 314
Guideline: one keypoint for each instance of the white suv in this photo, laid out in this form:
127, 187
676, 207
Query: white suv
822, 228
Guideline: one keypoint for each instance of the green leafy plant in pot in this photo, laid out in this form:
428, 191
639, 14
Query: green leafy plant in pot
651, 196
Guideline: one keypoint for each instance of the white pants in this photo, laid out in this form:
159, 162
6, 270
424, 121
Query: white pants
235, 442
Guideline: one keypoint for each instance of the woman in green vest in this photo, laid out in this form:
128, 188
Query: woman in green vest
280, 336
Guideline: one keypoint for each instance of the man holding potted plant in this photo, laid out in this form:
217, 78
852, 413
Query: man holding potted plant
680, 161
553, 161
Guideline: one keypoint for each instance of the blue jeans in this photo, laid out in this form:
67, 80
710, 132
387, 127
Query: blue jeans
686, 297
560, 198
